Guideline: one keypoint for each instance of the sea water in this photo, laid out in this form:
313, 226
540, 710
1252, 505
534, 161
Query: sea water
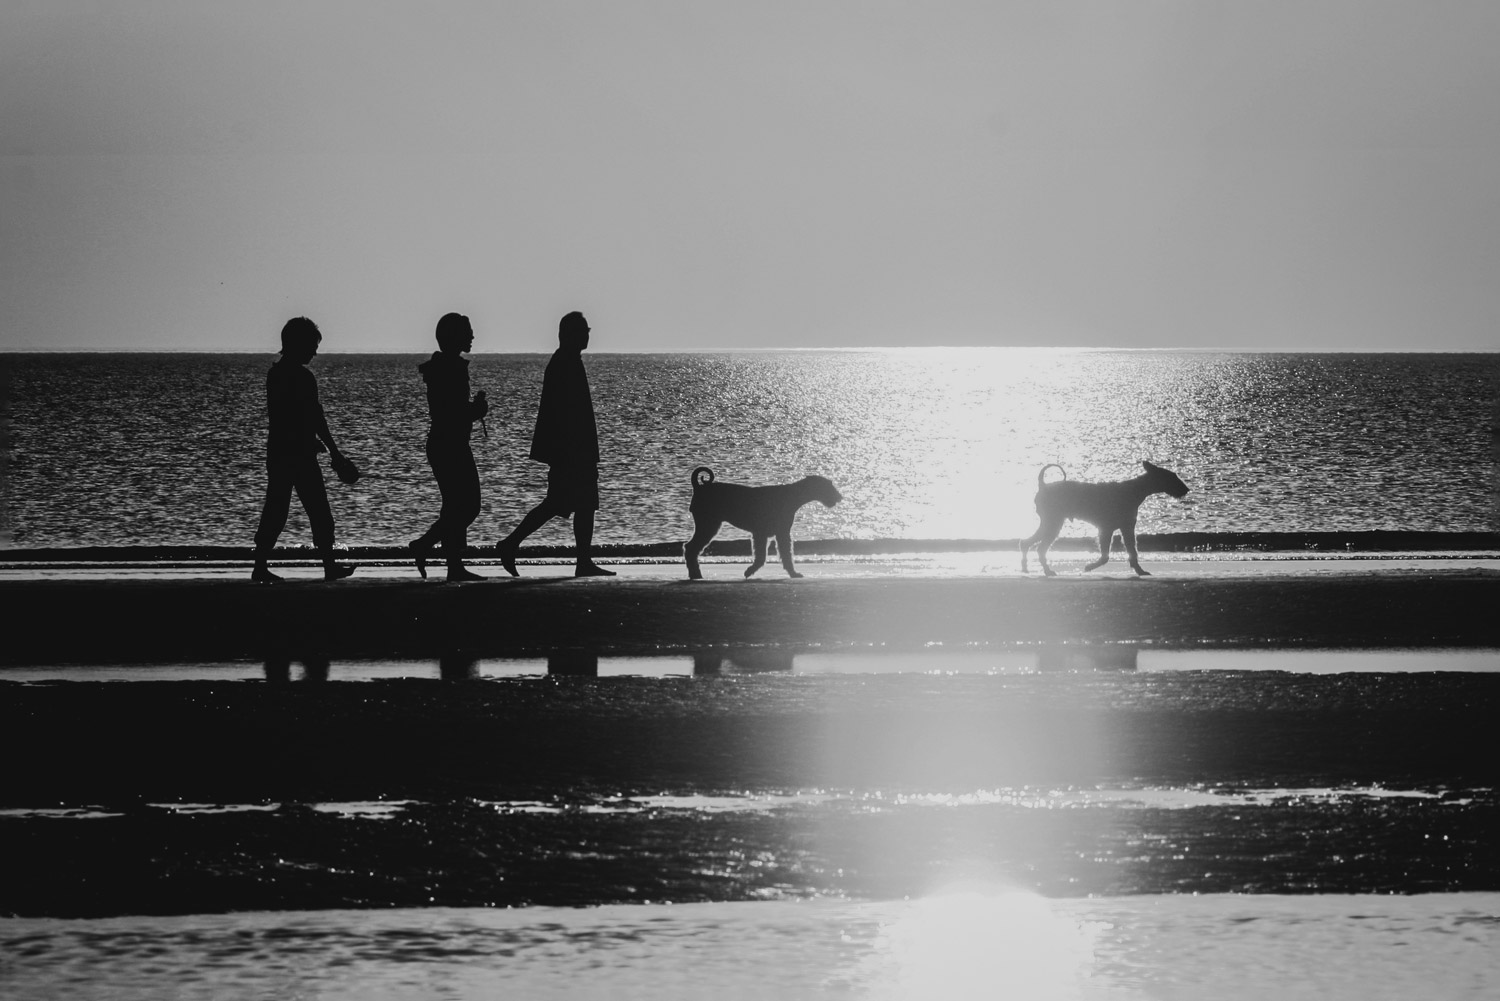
168, 449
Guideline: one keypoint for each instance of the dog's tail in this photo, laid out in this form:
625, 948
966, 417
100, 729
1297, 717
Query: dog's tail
1050, 465
702, 476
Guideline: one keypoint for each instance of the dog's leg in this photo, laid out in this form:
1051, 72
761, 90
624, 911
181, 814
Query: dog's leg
1127, 532
784, 550
703, 533
1027, 543
1043, 537
760, 554
1106, 536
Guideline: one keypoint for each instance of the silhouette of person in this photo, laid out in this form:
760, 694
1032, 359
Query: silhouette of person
298, 432
567, 440
453, 415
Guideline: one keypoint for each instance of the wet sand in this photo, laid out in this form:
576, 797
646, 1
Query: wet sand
904, 753
165, 620
459, 752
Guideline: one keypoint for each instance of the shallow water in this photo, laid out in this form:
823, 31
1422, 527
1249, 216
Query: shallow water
974, 940
937, 660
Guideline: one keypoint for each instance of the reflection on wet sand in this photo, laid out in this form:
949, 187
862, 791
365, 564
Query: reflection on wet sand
573, 663
728, 661
743, 660
315, 667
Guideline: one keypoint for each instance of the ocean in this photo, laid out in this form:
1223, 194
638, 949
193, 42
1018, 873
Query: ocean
168, 449
950, 821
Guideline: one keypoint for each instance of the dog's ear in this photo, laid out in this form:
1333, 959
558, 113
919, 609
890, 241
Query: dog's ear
1151, 467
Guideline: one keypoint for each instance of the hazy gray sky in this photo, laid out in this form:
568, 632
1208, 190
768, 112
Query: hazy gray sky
1283, 174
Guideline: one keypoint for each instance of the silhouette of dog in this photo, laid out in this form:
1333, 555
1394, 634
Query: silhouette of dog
1109, 507
761, 511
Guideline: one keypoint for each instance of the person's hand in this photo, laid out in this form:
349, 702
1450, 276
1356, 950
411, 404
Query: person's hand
346, 470
482, 403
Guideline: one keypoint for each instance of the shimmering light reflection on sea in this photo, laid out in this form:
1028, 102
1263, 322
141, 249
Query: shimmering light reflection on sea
923, 443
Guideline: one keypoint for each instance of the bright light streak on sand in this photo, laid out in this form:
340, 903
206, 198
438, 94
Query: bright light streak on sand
972, 943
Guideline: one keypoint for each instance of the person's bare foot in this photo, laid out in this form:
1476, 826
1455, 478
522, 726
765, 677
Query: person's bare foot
458, 575
508, 557
262, 575
419, 553
337, 571
592, 570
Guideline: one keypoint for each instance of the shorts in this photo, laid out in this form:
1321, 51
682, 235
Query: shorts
572, 488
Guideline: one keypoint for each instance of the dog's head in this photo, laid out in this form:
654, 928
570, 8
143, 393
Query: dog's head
1164, 480
823, 490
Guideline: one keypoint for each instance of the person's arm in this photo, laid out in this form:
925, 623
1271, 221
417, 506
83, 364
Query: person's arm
320, 421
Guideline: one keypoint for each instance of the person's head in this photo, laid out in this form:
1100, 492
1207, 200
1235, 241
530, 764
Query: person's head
454, 333
300, 338
573, 332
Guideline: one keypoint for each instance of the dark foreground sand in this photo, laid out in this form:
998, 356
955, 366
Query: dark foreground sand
458, 752
456, 749
124, 621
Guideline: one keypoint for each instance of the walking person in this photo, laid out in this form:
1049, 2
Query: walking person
453, 415
298, 432
567, 440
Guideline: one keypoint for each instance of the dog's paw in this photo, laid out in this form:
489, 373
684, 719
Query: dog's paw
1050, 572
793, 573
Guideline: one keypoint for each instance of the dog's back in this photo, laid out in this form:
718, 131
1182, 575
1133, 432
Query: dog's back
764, 512
757, 509
1109, 506
1098, 503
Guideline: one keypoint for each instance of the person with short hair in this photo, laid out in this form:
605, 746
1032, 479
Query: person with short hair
448, 452
298, 432
567, 440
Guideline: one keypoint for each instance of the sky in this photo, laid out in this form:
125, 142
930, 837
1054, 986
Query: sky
1277, 175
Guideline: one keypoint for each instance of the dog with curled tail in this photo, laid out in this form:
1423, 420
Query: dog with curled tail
762, 511
1109, 507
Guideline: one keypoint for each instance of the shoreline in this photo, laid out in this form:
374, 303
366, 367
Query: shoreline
1352, 543
171, 620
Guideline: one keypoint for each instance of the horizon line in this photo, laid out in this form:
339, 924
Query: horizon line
749, 350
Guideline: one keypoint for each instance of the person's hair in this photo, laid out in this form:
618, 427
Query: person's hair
571, 329
300, 335
452, 329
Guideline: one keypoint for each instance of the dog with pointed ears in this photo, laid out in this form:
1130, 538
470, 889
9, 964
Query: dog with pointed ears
1110, 507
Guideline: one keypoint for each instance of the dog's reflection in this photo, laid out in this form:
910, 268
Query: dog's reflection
279, 667
1052, 659
743, 660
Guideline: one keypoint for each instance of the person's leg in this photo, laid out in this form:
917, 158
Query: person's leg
460, 486
583, 539
552, 506
584, 495
273, 516
314, 497
422, 544
535, 519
